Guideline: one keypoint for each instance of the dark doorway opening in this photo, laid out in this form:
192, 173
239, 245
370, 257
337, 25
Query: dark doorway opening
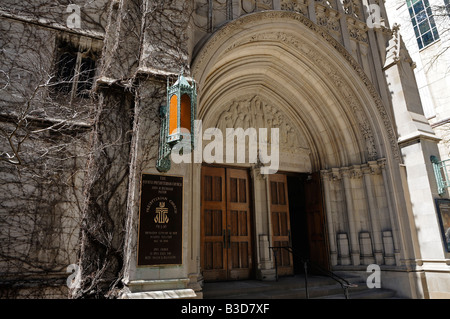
307, 218
298, 218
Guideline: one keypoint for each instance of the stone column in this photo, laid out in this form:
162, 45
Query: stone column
368, 170
326, 175
264, 260
394, 232
354, 246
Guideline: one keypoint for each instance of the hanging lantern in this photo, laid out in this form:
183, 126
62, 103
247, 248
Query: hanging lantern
177, 119
181, 99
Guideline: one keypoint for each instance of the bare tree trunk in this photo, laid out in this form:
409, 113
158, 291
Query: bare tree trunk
106, 183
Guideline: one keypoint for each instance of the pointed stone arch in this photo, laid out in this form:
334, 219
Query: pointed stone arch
285, 58
296, 66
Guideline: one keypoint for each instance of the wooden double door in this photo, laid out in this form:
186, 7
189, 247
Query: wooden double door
226, 232
296, 213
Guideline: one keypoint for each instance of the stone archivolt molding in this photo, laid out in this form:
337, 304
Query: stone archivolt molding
224, 34
318, 59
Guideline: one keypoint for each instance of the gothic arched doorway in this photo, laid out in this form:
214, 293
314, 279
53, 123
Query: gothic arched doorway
274, 70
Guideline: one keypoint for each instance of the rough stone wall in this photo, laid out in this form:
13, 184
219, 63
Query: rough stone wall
122, 42
93, 13
165, 45
42, 160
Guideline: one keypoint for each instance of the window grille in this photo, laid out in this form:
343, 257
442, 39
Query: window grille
75, 69
423, 22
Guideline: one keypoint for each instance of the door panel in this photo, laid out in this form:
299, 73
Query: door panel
317, 237
226, 248
238, 218
281, 228
213, 222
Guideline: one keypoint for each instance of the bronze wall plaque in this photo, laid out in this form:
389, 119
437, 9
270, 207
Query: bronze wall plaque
160, 220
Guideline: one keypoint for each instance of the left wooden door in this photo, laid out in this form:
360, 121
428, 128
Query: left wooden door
226, 247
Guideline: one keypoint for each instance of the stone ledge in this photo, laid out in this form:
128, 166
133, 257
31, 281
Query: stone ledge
417, 137
162, 294
138, 286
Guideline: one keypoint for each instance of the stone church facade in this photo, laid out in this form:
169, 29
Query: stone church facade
354, 184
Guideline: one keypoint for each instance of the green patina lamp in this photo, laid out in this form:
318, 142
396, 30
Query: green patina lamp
177, 119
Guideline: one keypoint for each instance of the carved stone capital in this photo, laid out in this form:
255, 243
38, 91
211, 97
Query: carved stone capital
371, 168
345, 172
335, 174
365, 168
355, 171
374, 167
326, 175
381, 163
256, 173
357, 30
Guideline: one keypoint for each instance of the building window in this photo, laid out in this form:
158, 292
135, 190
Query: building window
75, 70
423, 22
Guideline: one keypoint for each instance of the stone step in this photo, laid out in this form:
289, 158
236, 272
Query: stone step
231, 288
376, 293
294, 286
319, 287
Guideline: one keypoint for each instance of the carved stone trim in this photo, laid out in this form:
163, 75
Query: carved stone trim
328, 18
357, 30
252, 111
249, 6
300, 6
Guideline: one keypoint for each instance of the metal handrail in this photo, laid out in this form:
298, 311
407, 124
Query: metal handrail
345, 284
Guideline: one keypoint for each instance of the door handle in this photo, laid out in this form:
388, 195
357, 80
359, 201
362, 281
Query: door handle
229, 238
224, 235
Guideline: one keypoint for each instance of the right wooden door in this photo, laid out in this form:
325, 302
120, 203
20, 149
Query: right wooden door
281, 226
315, 217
